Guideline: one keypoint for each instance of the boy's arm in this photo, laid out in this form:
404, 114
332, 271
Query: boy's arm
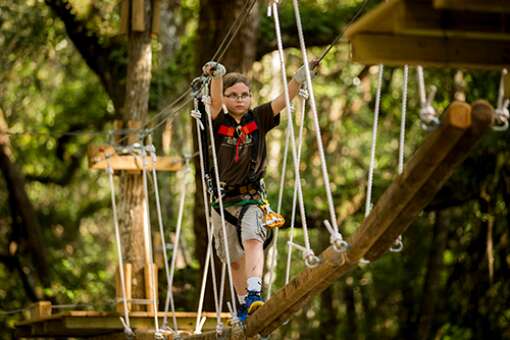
215, 71
278, 104
293, 86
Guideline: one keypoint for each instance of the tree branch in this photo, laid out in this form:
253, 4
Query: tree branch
105, 57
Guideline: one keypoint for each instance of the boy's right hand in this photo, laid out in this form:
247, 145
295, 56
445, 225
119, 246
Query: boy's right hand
214, 69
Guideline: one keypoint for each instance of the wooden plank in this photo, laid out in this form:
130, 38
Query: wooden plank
138, 15
498, 6
392, 49
149, 291
420, 18
419, 171
90, 323
483, 114
40, 310
156, 16
97, 159
372, 21
124, 17
119, 307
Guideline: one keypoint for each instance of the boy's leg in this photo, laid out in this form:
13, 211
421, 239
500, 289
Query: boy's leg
254, 260
239, 276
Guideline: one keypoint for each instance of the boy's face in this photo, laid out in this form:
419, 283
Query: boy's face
237, 98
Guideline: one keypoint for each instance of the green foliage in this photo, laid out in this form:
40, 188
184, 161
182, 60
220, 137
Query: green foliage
47, 90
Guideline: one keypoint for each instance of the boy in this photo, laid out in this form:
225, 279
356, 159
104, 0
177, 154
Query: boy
241, 151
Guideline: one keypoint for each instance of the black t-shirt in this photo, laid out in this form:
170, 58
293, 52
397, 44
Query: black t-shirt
235, 173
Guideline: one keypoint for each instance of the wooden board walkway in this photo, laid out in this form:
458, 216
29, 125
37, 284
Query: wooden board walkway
94, 324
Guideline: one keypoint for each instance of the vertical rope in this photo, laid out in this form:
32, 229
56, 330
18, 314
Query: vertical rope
125, 321
309, 256
274, 253
294, 195
182, 200
220, 201
152, 151
208, 258
399, 245
148, 241
325, 175
368, 203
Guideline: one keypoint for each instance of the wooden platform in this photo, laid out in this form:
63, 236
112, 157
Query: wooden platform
91, 324
97, 157
444, 33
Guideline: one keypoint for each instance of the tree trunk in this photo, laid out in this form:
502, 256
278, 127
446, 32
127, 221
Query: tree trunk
431, 289
131, 205
25, 227
216, 16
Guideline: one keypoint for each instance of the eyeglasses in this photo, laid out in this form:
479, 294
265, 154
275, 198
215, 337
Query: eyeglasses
234, 96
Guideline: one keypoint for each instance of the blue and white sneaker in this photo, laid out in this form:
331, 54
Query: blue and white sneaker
242, 313
253, 302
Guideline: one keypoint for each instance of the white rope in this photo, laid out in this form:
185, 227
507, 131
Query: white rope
195, 113
125, 321
178, 228
428, 116
399, 244
152, 152
147, 236
206, 100
295, 152
336, 236
368, 202
274, 248
501, 120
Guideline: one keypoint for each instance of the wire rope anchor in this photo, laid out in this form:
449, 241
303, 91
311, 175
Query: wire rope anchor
398, 245
502, 117
127, 330
309, 257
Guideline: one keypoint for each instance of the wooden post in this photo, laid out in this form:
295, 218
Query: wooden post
137, 15
124, 17
149, 295
40, 310
156, 17
426, 171
119, 306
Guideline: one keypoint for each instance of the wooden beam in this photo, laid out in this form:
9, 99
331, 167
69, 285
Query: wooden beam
482, 113
419, 173
138, 15
119, 307
420, 18
498, 6
389, 49
149, 292
97, 158
124, 17
40, 310
371, 21
156, 16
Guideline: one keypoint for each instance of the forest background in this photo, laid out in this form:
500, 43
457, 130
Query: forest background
63, 69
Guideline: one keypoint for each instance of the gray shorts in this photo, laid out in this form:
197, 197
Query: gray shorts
252, 228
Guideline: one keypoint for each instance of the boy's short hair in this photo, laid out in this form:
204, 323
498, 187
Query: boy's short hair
232, 78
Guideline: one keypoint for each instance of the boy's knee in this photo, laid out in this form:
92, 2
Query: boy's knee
236, 265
